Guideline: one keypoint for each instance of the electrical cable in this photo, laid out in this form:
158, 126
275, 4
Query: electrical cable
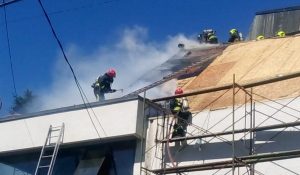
64, 10
11, 66
9, 51
82, 94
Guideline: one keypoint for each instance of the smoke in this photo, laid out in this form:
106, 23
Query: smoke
132, 56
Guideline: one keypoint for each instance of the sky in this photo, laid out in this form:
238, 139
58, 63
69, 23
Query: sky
132, 36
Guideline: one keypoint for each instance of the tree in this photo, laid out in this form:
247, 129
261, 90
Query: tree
22, 104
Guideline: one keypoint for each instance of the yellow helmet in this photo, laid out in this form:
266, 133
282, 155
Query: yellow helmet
280, 33
260, 37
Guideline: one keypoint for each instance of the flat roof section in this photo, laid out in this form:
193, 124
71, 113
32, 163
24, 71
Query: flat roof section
69, 108
103, 122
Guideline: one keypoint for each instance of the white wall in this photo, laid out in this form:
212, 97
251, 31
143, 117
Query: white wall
118, 120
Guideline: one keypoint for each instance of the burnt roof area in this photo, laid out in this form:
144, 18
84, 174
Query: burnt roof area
188, 63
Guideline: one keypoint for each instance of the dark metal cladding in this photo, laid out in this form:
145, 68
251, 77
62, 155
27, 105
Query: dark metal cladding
278, 10
268, 23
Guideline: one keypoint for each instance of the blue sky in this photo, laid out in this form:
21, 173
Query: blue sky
90, 24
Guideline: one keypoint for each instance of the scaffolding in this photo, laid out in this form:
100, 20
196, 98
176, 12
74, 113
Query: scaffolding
260, 114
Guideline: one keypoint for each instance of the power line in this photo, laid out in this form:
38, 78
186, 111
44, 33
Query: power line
82, 94
68, 10
7, 3
9, 50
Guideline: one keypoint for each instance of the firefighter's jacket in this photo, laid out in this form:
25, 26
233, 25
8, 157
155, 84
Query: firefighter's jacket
179, 105
103, 83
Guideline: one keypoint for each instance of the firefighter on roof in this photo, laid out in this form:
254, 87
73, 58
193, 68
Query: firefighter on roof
208, 36
234, 36
103, 84
212, 38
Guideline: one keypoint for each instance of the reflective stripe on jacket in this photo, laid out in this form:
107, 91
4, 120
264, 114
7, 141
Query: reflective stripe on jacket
212, 38
176, 105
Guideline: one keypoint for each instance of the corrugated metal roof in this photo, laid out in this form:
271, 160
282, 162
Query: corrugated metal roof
268, 23
278, 10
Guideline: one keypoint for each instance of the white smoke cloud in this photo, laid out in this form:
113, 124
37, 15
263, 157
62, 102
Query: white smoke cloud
132, 56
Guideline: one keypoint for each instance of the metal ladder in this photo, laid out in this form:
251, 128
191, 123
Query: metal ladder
49, 151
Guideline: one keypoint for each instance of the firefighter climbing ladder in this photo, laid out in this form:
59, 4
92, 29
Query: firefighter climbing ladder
50, 149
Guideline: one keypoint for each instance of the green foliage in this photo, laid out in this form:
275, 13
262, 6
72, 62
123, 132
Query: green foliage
22, 103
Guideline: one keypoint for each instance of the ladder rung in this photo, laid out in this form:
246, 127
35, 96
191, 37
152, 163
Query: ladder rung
55, 129
56, 126
53, 136
45, 166
47, 156
50, 146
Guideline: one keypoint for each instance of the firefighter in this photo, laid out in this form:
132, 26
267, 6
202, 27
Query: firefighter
102, 84
212, 38
234, 36
280, 34
179, 108
208, 36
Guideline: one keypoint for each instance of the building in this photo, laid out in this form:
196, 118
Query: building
269, 22
245, 106
245, 115
102, 138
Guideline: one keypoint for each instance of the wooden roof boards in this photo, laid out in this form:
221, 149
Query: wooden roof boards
250, 61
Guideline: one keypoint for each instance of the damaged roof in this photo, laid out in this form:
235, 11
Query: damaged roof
186, 63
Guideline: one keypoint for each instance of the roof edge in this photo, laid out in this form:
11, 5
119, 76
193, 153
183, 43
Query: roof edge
264, 12
69, 108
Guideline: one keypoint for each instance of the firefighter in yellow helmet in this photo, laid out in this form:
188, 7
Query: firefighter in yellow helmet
280, 34
212, 38
234, 36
